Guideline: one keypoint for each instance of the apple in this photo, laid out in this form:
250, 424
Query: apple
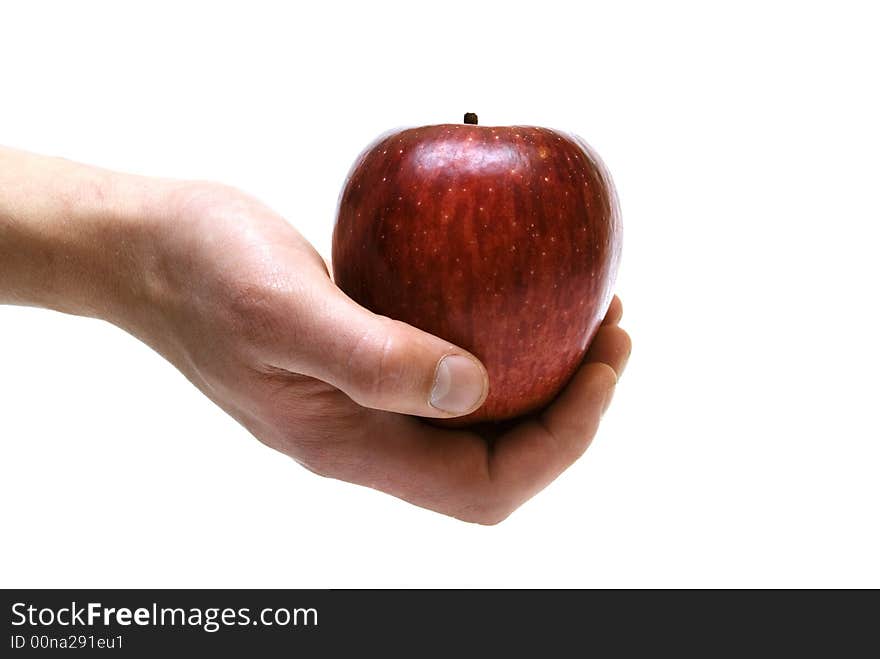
502, 240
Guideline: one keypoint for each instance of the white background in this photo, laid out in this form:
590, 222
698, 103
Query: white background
743, 445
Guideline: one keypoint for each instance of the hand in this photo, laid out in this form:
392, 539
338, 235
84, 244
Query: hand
252, 317
232, 295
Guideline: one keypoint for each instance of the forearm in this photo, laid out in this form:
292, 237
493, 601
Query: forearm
75, 238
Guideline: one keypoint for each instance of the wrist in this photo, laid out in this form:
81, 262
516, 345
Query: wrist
126, 218
77, 239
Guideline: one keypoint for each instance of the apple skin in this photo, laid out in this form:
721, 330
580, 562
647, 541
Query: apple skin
502, 240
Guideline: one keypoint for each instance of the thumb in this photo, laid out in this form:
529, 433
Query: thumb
386, 364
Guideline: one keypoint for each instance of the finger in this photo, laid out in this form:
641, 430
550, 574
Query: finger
453, 471
611, 346
614, 313
533, 454
383, 363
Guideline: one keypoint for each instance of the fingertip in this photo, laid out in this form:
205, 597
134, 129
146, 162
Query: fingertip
612, 346
614, 313
461, 385
612, 377
601, 375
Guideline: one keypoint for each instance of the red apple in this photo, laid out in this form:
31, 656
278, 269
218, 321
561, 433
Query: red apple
502, 240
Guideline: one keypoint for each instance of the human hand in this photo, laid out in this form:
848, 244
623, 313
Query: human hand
233, 296
248, 312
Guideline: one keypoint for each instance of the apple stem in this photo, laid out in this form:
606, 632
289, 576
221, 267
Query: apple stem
470, 118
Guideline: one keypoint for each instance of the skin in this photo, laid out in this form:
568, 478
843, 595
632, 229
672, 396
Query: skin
244, 307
